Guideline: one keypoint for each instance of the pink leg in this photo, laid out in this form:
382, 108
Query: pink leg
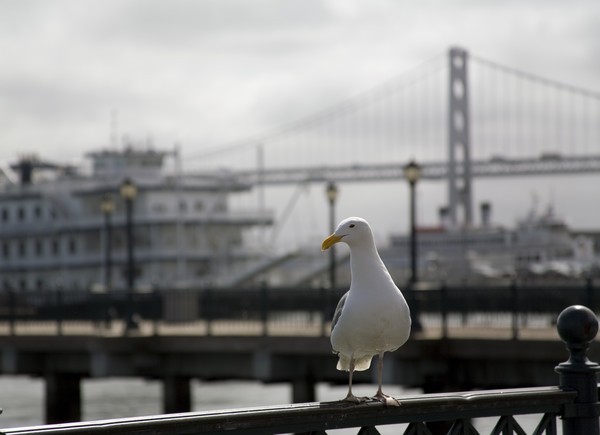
351, 397
384, 398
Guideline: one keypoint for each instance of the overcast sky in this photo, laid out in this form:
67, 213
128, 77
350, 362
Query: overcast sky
207, 72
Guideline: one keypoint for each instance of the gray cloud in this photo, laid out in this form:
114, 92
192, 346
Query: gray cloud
213, 71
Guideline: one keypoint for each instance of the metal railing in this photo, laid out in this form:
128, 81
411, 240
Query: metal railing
307, 311
419, 414
574, 401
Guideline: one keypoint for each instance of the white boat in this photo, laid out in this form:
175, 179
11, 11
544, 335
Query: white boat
541, 245
54, 235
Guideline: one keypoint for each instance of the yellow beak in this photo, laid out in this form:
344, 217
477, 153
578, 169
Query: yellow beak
330, 241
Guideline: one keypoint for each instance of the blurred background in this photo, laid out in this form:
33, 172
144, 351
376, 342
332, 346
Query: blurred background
152, 146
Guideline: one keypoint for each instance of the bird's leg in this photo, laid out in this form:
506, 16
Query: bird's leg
351, 397
384, 398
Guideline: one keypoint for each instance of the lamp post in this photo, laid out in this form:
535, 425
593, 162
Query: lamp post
107, 206
332, 192
128, 193
412, 173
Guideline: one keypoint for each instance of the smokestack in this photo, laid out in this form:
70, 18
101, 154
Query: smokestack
486, 214
25, 168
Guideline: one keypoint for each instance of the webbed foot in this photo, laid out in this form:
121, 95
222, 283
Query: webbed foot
353, 399
386, 400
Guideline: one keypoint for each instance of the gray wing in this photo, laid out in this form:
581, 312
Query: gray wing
338, 310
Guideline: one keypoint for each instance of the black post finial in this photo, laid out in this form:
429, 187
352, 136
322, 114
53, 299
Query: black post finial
577, 326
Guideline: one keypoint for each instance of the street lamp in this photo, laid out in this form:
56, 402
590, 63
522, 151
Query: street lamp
332, 192
128, 193
107, 206
412, 173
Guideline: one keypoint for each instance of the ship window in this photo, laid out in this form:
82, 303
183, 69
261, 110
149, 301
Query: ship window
23, 284
21, 213
5, 250
4, 215
182, 206
38, 212
198, 206
72, 246
39, 284
39, 248
22, 248
55, 247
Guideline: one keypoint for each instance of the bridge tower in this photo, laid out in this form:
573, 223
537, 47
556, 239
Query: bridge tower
460, 205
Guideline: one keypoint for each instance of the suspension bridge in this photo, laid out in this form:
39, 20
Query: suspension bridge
460, 116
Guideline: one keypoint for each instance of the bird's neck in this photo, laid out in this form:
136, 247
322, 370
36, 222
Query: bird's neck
366, 264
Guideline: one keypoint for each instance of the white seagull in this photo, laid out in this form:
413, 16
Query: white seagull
372, 317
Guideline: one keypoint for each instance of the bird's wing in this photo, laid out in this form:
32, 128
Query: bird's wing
338, 310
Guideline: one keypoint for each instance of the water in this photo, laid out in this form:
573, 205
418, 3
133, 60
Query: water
21, 399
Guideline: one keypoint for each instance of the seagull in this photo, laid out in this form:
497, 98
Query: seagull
372, 317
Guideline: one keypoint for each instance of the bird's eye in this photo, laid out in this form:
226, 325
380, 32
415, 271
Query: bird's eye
351, 225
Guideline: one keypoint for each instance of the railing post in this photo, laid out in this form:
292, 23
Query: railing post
59, 312
207, 310
157, 310
325, 297
264, 309
514, 296
577, 327
12, 302
444, 309
589, 289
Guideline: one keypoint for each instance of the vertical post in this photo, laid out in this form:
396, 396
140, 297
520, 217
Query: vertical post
107, 207
412, 173
63, 398
589, 289
176, 394
260, 189
324, 299
59, 312
108, 254
129, 192
264, 310
459, 158
12, 302
303, 390
157, 304
207, 309
577, 327
514, 296
413, 237
179, 227
444, 309
129, 231
129, 324
332, 193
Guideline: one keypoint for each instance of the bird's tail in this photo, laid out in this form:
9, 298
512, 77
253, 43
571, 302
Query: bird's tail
360, 364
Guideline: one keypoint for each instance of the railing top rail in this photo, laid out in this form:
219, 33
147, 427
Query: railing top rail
323, 416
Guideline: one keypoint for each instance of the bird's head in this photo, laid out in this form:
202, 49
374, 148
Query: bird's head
350, 231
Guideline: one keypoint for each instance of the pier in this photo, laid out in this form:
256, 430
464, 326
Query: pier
574, 400
471, 338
